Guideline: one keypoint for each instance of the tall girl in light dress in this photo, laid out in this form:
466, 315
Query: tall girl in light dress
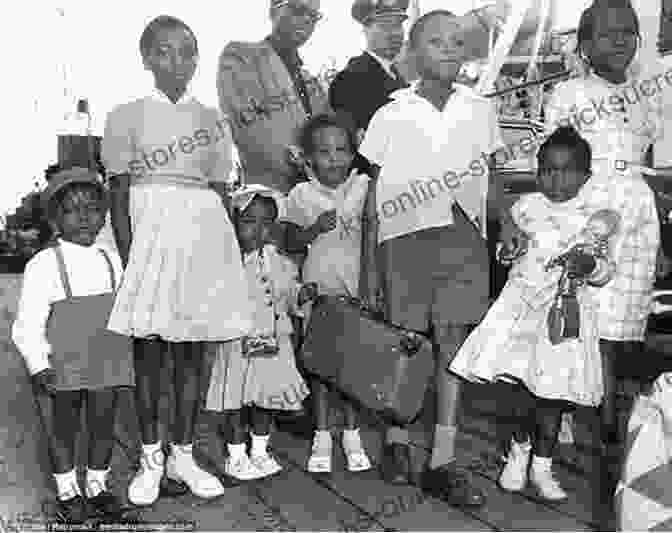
260, 371
617, 108
512, 342
169, 157
326, 213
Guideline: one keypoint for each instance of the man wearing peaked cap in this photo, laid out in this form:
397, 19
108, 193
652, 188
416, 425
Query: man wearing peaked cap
367, 81
364, 11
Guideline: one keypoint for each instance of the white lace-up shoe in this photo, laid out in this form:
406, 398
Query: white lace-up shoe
514, 475
320, 455
543, 480
181, 466
144, 488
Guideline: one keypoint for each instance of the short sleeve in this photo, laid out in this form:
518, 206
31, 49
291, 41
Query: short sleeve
376, 139
520, 210
117, 150
224, 152
295, 208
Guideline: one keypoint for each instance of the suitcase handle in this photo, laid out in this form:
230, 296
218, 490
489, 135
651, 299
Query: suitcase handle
410, 342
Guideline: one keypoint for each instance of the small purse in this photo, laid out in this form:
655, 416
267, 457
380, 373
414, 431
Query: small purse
260, 346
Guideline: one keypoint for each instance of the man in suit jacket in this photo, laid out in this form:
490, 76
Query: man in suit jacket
267, 94
367, 81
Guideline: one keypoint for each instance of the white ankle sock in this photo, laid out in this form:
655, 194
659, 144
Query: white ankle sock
95, 481
259, 445
443, 451
351, 436
323, 438
541, 463
182, 449
152, 456
67, 485
236, 451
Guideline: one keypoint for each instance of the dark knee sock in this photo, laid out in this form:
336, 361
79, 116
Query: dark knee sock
188, 366
149, 357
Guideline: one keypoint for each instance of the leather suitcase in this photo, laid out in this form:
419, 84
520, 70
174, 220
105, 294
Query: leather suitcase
383, 367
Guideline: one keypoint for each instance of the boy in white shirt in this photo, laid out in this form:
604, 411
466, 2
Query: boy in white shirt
432, 145
61, 331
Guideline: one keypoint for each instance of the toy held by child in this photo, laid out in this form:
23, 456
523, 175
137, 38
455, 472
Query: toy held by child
326, 213
260, 371
67, 296
184, 283
579, 267
514, 341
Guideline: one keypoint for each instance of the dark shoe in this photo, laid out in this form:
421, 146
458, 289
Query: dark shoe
452, 484
396, 464
106, 506
72, 511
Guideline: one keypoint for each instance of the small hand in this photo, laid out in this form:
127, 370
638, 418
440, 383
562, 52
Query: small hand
326, 221
580, 264
46, 380
307, 293
515, 242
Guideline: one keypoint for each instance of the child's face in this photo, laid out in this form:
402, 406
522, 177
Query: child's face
172, 59
258, 225
332, 156
440, 49
614, 41
559, 176
80, 216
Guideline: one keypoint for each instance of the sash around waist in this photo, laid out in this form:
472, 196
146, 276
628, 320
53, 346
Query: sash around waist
170, 179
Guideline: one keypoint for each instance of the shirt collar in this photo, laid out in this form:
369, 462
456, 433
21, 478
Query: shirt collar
290, 56
159, 95
410, 94
74, 246
385, 63
330, 190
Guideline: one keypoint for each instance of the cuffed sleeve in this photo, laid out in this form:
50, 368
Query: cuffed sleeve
29, 331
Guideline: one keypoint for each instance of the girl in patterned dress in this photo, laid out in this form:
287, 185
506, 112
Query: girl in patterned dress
260, 371
514, 342
169, 158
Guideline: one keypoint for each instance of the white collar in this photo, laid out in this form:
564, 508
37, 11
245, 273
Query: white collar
159, 95
75, 246
385, 63
410, 94
333, 190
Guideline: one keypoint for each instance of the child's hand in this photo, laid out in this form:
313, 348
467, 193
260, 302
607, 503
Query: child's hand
580, 263
307, 293
46, 380
326, 221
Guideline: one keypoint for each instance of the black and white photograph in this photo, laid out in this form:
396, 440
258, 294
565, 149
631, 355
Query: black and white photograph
336, 265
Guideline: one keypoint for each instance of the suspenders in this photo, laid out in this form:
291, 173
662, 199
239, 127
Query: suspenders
64, 274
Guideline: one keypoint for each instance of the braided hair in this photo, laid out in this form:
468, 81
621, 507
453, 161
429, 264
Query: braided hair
586, 27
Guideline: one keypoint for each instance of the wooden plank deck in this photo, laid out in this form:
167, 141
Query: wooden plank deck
295, 500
